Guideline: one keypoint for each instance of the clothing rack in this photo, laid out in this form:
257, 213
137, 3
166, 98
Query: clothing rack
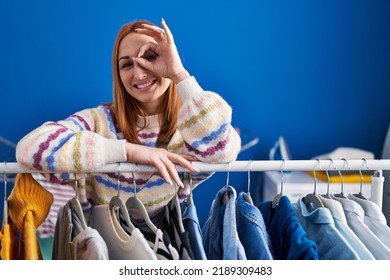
248, 166
236, 166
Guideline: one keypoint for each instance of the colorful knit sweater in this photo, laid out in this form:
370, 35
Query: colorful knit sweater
89, 139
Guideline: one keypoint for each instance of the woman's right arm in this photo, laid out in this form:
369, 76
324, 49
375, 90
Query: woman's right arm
87, 140
84, 141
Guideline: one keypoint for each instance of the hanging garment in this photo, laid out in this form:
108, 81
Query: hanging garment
161, 245
157, 240
354, 214
73, 239
174, 228
374, 219
289, 240
61, 194
191, 225
28, 206
220, 236
252, 231
319, 226
340, 221
121, 245
9, 241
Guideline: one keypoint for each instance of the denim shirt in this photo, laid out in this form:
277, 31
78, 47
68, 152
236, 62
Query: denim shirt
319, 226
191, 225
252, 231
220, 237
289, 240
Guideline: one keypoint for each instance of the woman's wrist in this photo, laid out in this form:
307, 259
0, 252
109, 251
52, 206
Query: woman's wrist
182, 75
129, 151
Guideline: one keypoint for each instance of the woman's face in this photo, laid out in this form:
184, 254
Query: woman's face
140, 83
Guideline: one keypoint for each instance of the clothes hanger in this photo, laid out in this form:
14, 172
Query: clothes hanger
175, 204
5, 205
76, 205
276, 199
134, 202
360, 194
247, 195
327, 194
116, 202
314, 197
189, 199
341, 194
225, 198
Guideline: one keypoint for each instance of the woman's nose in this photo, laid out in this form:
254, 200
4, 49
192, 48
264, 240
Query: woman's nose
139, 71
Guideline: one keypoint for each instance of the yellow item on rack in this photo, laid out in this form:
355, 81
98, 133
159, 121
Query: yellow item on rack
9, 242
347, 178
28, 206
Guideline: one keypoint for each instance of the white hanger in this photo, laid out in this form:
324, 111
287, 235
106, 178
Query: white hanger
341, 194
225, 198
247, 195
276, 199
175, 203
327, 194
189, 199
5, 205
76, 205
360, 194
135, 203
117, 202
314, 197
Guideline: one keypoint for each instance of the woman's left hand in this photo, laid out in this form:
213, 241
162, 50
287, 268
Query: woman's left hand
167, 63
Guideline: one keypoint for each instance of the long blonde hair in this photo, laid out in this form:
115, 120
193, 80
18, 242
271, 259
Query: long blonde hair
127, 109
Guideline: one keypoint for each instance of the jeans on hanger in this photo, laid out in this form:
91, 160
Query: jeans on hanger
252, 230
220, 237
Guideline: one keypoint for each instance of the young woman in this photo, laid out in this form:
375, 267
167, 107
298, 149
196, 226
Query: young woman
159, 116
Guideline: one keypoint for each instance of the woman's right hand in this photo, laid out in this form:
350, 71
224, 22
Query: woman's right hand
167, 63
162, 159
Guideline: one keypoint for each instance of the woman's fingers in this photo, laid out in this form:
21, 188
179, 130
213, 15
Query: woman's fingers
148, 46
159, 34
184, 161
167, 31
161, 167
171, 168
166, 164
163, 160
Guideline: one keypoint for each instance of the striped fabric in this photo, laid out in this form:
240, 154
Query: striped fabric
89, 139
62, 194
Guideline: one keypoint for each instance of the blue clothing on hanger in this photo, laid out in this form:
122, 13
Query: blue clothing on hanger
252, 231
319, 226
191, 225
289, 240
220, 237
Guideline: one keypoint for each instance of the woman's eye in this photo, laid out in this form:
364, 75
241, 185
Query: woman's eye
150, 56
126, 65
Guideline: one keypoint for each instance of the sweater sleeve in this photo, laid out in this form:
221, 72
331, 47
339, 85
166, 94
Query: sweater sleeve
82, 142
204, 124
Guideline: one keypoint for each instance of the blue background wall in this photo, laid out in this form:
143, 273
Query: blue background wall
316, 72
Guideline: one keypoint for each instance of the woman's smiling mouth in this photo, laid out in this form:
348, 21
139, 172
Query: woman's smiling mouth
145, 84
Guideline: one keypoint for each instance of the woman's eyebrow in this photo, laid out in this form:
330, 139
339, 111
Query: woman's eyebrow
124, 57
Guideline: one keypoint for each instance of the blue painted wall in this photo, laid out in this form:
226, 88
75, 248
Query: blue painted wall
316, 72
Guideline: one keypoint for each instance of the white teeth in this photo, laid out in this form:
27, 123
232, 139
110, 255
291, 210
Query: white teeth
145, 85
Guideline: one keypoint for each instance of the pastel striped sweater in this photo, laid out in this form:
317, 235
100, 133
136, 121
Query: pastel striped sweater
89, 139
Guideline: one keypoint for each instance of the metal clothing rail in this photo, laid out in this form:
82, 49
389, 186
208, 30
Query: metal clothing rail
247, 165
236, 166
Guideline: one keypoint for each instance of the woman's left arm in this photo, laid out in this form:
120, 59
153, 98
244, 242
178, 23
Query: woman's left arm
204, 124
